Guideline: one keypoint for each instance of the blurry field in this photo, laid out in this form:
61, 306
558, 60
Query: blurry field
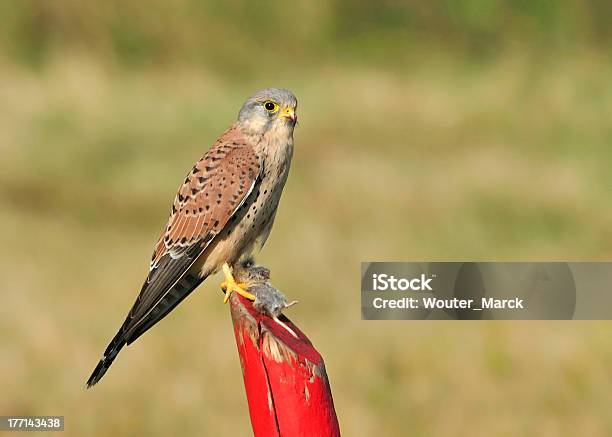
441, 158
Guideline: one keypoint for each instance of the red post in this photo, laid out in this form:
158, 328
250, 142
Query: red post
286, 385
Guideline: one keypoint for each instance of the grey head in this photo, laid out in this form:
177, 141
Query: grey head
269, 108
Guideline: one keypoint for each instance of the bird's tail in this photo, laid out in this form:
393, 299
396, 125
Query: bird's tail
132, 328
107, 359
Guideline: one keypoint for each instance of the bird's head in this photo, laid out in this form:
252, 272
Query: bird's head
270, 108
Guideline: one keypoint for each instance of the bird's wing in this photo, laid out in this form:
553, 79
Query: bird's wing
212, 192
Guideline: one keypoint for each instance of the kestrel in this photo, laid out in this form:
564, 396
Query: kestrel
223, 211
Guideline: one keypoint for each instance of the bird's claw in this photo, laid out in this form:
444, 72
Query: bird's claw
230, 285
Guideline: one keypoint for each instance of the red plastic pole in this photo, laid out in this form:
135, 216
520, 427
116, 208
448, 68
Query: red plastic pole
286, 385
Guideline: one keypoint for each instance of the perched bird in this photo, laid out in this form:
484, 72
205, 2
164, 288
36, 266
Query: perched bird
223, 211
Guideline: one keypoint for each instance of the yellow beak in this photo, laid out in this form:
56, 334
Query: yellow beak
289, 113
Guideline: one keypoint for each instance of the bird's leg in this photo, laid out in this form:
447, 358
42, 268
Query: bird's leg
230, 285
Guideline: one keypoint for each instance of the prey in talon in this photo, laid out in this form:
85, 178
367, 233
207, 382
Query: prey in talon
223, 212
267, 299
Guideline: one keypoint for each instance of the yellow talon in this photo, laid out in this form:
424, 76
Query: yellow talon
230, 285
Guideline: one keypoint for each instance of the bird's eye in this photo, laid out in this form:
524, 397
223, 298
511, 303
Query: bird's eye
271, 106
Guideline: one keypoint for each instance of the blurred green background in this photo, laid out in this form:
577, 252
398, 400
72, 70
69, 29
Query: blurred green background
448, 130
